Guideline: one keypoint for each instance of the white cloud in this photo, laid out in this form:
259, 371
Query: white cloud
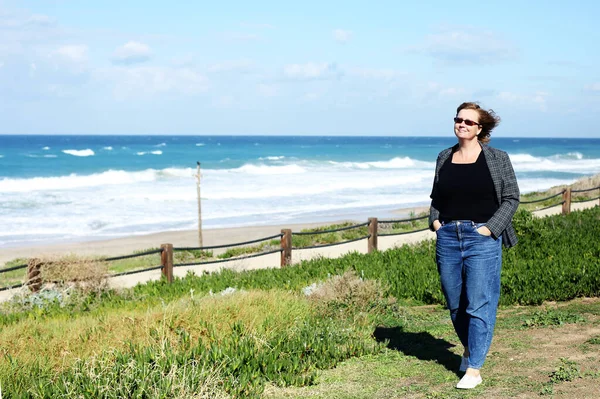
132, 53
41, 20
312, 71
444, 91
25, 34
341, 35
467, 47
593, 87
73, 53
144, 81
537, 99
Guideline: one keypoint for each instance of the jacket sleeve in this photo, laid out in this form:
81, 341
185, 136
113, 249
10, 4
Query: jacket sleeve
434, 213
509, 199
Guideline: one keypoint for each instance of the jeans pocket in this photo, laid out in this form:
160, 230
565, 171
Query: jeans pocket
477, 226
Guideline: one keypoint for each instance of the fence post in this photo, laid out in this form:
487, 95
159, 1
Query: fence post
566, 206
372, 243
286, 247
34, 274
166, 260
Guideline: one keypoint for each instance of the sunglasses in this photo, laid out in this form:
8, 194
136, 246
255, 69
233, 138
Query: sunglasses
467, 122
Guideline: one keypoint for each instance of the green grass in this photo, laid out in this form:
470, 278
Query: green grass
364, 336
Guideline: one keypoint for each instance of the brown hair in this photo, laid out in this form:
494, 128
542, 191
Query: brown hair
487, 118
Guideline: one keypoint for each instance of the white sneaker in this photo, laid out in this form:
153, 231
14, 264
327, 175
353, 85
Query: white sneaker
464, 364
469, 382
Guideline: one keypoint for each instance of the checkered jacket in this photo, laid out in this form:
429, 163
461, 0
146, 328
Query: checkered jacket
507, 192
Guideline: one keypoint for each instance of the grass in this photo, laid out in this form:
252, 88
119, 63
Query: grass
416, 352
423, 355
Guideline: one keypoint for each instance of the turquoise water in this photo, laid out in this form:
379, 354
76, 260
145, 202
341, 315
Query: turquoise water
75, 188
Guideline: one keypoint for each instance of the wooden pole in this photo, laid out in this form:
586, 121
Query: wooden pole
372, 243
199, 204
34, 274
166, 260
286, 247
566, 206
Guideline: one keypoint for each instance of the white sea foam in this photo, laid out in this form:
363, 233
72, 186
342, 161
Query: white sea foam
158, 152
394, 163
73, 181
80, 153
46, 148
117, 202
107, 148
161, 145
200, 144
576, 155
573, 164
272, 158
269, 170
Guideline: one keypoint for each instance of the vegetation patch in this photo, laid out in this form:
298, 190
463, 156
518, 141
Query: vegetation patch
552, 317
567, 371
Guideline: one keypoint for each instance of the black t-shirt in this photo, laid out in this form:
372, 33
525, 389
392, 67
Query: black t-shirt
466, 191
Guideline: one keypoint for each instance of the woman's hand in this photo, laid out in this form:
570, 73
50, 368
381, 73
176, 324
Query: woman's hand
436, 225
484, 231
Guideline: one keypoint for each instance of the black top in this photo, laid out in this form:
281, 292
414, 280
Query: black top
466, 191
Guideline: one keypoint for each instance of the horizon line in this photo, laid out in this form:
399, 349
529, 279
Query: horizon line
278, 135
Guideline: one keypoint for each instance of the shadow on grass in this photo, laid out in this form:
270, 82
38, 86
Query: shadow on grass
421, 345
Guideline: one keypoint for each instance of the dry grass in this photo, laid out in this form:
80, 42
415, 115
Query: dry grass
584, 183
72, 271
349, 291
62, 340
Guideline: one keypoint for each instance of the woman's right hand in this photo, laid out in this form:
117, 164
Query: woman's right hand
436, 225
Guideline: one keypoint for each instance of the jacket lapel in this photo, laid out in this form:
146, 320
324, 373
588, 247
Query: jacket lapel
494, 167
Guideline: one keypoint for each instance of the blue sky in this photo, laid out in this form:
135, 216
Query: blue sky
305, 68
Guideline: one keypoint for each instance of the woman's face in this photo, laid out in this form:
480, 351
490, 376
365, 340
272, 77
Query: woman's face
464, 131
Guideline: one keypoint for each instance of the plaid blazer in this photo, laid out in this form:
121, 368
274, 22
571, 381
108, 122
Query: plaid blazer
506, 187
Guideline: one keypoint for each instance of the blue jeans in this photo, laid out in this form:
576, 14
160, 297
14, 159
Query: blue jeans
469, 264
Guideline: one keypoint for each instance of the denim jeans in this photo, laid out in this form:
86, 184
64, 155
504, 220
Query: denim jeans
469, 264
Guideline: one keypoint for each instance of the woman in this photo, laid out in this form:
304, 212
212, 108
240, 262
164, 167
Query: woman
474, 198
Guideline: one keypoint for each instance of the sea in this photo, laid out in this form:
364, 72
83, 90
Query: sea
75, 188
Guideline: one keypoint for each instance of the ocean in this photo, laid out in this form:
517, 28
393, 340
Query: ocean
78, 188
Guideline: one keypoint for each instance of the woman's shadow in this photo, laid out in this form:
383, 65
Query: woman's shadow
421, 345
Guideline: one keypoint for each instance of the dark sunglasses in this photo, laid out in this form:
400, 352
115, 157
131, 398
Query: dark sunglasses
467, 122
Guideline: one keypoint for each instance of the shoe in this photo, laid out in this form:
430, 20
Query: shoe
469, 382
464, 364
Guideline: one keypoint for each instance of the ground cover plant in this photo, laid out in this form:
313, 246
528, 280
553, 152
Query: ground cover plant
105, 343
